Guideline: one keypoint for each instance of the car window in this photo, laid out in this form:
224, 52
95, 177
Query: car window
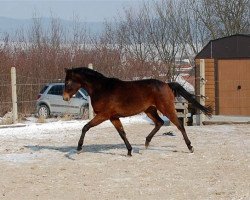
43, 90
78, 95
56, 90
84, 92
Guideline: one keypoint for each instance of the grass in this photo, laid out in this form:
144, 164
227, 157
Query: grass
41, 120
6, 121
67, 117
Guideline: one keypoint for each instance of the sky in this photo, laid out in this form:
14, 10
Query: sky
85, 10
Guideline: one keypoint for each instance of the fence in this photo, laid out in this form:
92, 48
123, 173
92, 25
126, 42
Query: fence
19, 91
18, 94
27, 88
5, 93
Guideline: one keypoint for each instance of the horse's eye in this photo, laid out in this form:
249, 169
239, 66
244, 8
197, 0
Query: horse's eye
68, 83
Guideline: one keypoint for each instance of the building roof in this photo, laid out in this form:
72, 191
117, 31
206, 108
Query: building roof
234, 46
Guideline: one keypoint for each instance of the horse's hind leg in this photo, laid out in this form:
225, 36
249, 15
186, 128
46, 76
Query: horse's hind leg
153, 115
170, 113
94, 122
118, 125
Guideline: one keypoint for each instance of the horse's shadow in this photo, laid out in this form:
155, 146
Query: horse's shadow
71, 150
94, 148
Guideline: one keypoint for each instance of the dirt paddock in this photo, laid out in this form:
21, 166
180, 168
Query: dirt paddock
46, 166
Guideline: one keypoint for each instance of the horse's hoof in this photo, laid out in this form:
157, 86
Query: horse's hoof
191, 149
146, 144
129, 154
79, 148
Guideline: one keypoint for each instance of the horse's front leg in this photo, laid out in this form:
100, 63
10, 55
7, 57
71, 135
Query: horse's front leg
99, 118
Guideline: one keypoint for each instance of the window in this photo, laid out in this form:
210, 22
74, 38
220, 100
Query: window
84, 92
78, 95
56, 90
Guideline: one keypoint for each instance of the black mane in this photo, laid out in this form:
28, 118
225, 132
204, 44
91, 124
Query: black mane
87, 71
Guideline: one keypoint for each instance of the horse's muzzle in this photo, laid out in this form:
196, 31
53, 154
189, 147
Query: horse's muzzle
66, 96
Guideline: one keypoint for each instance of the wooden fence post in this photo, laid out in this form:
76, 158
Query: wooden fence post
91, 113
201, 116
14, 95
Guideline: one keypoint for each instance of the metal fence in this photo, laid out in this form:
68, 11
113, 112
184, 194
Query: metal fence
19, 94
20, 91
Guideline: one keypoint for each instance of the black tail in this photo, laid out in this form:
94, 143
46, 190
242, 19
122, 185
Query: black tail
179, 90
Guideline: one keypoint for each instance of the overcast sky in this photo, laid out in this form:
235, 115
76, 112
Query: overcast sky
86, 10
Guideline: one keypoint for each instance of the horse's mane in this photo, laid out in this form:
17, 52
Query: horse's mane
87, 71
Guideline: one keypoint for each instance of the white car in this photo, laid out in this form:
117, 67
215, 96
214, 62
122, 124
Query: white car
50, 101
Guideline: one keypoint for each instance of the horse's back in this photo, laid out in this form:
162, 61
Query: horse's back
125, 98
134, 88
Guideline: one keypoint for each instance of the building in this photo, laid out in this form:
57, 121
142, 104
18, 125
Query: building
227, 74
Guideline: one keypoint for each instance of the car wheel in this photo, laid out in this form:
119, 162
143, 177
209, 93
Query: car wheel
43, 111
84, 112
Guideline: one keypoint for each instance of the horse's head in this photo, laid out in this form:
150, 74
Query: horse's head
72, 84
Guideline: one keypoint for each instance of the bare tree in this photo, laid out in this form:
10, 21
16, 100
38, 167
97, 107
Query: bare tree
133, 32
193, 35
223, 17
166, 35
151, 37
56, 33
79, 35
36, 32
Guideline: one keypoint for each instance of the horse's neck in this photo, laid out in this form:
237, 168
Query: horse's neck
93, 85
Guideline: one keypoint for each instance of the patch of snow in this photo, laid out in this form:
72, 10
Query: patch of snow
186, 60
31, 129
223, 118
182, 69
189, 87
34, 130
19, 157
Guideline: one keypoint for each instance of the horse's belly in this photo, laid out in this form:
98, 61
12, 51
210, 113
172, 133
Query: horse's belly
129, 109
125, 106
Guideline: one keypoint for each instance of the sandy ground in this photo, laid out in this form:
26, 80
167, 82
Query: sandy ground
46, 166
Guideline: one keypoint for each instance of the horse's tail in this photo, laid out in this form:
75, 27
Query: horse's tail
179, 90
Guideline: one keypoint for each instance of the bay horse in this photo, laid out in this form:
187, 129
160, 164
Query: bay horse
112, 99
